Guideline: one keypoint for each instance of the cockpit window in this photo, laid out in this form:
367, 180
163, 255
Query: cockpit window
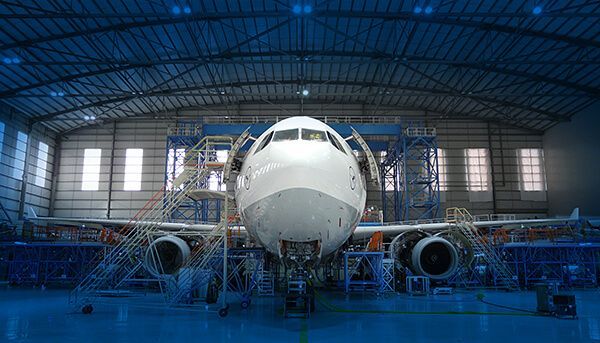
285, 135
313, 135
265, 142
335, 142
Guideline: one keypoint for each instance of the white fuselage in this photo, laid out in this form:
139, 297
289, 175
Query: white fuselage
300, 187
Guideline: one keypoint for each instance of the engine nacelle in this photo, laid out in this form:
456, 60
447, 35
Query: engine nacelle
166, 255
426, 255
434, 257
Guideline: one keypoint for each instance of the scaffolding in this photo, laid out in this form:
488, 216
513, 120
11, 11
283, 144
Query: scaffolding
131, 242
49, 263
364, 271
410, 173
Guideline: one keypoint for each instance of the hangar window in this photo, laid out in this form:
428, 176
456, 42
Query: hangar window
91, 169
285, 135
175, 161
335, 142
133, 169
478, 170
442, 174
531, 164
20, 152
314, 135
42, 163
265, 142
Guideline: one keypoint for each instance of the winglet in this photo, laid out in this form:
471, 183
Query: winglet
575, 214
32, 214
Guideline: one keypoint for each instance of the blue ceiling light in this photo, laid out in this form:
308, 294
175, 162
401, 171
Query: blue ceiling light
7, 60
86, 117
428, 10
16, 60
297, 9
53, 93
537, 10
305, 92
307, 9
60, 94
187, 10
418, 9
176, 10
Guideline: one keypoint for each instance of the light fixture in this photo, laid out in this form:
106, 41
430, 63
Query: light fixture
537, 10
176, 10
305, 92
7, 60
187, 10
307, 8
428, 10
297, 9
52, 93
86, 117
92, 117
60, 94
16, 60
418, 9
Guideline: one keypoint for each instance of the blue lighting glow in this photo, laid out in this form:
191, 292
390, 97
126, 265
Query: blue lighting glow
428, 10
187, 10
16, 60
307, 9
52, 93
176, 10
537, 10
60, 94
305, 92
7, 60
297, 9
418, 9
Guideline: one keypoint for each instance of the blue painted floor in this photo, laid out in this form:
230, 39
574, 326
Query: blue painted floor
30, 315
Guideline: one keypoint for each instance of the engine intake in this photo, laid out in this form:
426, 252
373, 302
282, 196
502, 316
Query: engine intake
426, 255
166, 255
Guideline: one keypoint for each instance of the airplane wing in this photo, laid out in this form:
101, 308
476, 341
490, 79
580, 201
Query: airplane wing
362, 232
119, 222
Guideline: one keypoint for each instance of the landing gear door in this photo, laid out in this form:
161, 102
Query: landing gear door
372, 167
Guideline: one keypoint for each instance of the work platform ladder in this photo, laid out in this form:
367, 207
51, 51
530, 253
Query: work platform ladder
503, 276
132, 241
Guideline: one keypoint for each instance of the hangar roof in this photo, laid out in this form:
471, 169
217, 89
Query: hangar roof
527, 65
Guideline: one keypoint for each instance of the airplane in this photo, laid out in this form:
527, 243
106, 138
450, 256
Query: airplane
301, 192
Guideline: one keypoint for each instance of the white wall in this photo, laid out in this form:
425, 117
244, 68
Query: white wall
453, 136
10, 188
573, 164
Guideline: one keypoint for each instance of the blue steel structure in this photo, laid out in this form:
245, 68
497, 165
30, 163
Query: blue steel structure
568, 264
187, 134
410, 187
363, 271
44, 263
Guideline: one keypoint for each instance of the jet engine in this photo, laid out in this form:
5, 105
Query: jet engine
433, 256
166, 255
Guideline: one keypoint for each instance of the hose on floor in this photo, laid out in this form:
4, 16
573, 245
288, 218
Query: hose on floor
333, 308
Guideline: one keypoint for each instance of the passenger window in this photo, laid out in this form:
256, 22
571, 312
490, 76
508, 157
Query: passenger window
313, 135
265, 142
285, 135
335, 142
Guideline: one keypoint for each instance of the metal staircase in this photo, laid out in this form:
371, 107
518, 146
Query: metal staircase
265, 283
503, 276
199, 267
126, 257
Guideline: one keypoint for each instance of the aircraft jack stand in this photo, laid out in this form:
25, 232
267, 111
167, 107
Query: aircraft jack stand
300, 298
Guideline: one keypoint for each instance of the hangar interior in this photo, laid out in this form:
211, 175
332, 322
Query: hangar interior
127, 129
